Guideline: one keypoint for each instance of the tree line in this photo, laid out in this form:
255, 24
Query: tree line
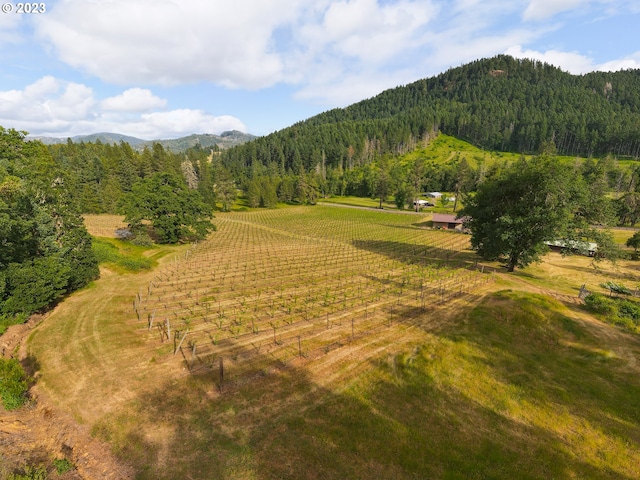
45, 250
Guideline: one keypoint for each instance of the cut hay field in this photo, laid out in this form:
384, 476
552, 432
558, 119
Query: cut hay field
333, 343
103, 225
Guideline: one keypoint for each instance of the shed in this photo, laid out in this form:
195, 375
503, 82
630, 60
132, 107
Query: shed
448, 221
582, 247
422, 203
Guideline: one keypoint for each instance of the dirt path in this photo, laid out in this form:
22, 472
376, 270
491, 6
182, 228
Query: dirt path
39, 433
11, 339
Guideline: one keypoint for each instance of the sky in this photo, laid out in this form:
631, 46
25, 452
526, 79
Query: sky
156, 69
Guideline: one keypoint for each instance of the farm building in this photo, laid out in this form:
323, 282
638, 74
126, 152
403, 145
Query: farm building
584, 248
447, 221
422, 203
438, 195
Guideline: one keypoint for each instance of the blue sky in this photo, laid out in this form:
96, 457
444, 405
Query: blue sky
168, 68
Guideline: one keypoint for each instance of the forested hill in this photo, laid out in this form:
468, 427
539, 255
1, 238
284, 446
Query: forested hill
499, 103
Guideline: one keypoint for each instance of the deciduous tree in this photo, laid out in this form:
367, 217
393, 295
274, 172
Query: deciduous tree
175, 212
533, 201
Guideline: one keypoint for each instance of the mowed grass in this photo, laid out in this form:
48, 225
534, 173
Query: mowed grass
360, 202
103, 225
517, 387
505, 385
567, 274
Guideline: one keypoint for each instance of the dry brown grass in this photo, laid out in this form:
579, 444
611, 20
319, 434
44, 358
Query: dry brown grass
103, 225
566, 275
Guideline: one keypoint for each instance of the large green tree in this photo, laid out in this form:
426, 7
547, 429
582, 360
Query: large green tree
45, 250
175, 212
513, 214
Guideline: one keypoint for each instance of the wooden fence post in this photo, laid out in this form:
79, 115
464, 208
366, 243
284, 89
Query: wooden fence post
221, 372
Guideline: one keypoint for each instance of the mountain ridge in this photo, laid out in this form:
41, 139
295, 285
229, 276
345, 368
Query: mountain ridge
226, 139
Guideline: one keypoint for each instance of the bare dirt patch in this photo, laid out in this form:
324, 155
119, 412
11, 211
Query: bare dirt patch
39, 433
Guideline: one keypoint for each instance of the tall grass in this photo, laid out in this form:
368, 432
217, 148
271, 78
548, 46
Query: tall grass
121, 256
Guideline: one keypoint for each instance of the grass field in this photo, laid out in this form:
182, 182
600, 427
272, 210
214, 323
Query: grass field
354, 344
103, 225
359, 202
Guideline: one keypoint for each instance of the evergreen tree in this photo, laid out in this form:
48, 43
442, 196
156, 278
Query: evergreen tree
46, 251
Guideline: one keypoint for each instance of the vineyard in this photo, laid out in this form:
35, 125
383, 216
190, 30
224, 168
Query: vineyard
332, 342
271, 286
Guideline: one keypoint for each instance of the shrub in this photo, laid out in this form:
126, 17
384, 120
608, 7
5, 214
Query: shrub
124, 234
34, 284
105, 251
618, 311
624, 322
629, 309
135, 264
63, 465
7, 320
13, 384
30, 473
616, 288
142, 239
600, 304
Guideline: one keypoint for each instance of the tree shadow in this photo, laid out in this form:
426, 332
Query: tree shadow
31, 367
552, 360
405, 422
418, 254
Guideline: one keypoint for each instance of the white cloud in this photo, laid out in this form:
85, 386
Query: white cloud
234, 44
630, 61
574, 62
133, 100
540, 10
9, 24
48, 100
333, 52
366, 30
170, 42
54, 107
343, 90
543, 9
177, 123
360, 47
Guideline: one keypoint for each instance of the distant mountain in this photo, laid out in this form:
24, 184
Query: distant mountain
103, 137
500, 103
205, 140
